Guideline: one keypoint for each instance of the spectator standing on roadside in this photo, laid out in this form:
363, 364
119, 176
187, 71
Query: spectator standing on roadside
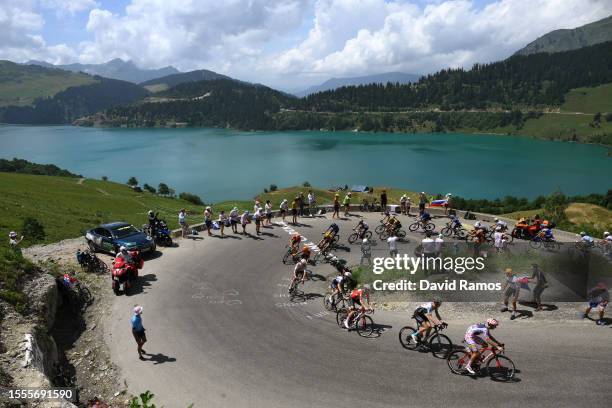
294, 210
222, 221
347, 203
138, 331
422, 201
284, 206
208, 214
301, 202
403, 199
438, 245
234, 218
500, 242
336, 213
511, 289
244, 220
312, 203
258, 218
541, 283
183, 223
256, 205
449, 203
268, 209
383, 201
392, 242
408, 204
366, 252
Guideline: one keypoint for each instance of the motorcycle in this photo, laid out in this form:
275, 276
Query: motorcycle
163, 235
125, 272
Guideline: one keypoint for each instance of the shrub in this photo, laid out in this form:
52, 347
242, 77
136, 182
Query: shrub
163, 189
273, 187
132, 181
33, 230
104, 178
306, 184
149, 188
192, 198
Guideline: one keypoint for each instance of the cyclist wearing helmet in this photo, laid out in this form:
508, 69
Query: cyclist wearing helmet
425, 217
305, 253
598, 297
294, 243
299, 273
361, 228
424, 316
478, 335
607, 237
337, 284
124, 253
359, 297
502, 224
586, 239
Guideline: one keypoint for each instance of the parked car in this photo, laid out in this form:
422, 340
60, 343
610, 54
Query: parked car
110, 237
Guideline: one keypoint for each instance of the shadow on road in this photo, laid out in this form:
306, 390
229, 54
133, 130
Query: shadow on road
159, 358
143, 281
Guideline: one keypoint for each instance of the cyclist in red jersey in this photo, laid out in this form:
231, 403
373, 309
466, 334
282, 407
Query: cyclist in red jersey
359, 297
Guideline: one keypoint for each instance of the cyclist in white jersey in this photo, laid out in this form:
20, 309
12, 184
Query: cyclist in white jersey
478, 335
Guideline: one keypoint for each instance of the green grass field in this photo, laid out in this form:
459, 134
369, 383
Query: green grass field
563, 126
589, 100
21, 85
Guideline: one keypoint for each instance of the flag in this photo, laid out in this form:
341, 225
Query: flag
438, 203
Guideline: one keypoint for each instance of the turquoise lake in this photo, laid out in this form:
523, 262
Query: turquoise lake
220, 164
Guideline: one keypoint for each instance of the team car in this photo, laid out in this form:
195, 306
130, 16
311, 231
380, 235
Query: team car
110, 237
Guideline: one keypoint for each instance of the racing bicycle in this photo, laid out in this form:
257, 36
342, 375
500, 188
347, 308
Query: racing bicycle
492, 362
439, 344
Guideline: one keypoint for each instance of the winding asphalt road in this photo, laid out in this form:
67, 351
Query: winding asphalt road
223, 333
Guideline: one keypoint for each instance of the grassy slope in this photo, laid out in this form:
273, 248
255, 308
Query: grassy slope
66, 208
20, 85
589, 100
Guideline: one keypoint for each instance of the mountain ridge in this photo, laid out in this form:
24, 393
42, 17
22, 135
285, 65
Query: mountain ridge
382, 78
571, 39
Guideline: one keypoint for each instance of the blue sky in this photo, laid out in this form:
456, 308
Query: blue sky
289, 44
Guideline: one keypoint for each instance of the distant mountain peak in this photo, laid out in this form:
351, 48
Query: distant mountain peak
570, 39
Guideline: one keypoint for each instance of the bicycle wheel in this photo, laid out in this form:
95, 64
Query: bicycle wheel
461, 234
457, 360
430, 227
383, 235
353, 238
401, 234
446, 231
85, 295
500, 368
535, 244
336, 239
405, 338
341, 315
328, 302
380, 228
367, 234
413, 227
365, 326
440, 345
286, 258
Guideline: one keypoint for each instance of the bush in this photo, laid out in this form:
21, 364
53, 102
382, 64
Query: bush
163, 189
13, 268
192, 198
306, 184
104, 178
132, 181
273, 187
33, 230
149, 188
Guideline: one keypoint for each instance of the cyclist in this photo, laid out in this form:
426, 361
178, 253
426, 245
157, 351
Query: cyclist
337, 285
586, 240
474, 340
455, 223
607, 237
294, 243
424, 316
393, 225
546, 234
502, 224
359, 297
361, 228
299, 274
425, 217
386, 218
598, 297
328, 237
305, 253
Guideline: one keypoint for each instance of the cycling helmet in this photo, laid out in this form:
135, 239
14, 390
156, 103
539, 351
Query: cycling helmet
582, 233
498, 229
123, 248
477, 224
303, 262
348, 274
492, 323
365, 241
150, 212
606, 234
496, 219
12, 234
138, 310
296, 235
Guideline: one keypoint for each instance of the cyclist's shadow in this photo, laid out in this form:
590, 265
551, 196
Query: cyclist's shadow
378, 330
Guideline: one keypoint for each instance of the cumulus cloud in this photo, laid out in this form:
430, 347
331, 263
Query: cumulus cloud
69, 6
424, 39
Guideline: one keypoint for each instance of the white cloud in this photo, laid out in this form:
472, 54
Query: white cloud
421, 40
69, 6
